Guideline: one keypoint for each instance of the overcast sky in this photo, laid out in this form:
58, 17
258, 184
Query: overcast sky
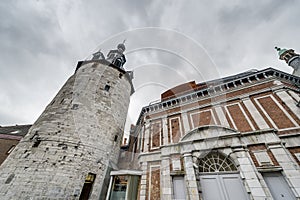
168, 43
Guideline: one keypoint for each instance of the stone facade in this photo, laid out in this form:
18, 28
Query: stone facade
76, 139
249, 123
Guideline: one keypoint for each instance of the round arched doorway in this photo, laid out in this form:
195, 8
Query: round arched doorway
220, 178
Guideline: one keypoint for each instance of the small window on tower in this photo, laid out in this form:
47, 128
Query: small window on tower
87, 187
106, 88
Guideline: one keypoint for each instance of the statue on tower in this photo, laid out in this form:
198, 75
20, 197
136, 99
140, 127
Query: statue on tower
116, 57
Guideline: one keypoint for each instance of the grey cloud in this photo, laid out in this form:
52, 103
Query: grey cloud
41, 41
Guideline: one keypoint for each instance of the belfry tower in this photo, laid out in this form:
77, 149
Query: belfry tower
71, 148
291, 58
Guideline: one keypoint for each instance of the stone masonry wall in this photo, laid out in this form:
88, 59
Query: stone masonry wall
79, 132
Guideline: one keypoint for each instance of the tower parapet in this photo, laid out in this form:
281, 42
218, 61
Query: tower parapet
291, 58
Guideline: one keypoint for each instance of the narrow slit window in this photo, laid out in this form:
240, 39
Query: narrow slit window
106, 88
116, 137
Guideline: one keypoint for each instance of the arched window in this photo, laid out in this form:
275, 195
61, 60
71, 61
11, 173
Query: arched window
216, 162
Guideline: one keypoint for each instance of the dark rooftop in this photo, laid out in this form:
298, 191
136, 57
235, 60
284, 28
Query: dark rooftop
19, 130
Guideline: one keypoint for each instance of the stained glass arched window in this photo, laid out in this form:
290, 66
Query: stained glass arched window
216, 162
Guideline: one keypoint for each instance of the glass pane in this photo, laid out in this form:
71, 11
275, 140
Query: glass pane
119, 188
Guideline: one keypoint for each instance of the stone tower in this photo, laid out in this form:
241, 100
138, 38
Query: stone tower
291, 58
71, 148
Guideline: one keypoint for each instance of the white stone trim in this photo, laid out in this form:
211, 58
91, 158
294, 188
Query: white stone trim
221, 116
229, 115
170, 127
109, 188
126, 172
297, 155
280, 107
294, 95
261, 123
150, 175
290, 102
199, 112
186, 124
165, 130
146, 137
140, 139
166, 185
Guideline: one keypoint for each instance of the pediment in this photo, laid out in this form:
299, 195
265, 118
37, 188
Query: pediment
207, 132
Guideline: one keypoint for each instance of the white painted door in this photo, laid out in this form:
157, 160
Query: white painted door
223, 187
278, 186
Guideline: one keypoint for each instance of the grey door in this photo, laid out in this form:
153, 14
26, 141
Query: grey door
179, 188
278, 186
223, 187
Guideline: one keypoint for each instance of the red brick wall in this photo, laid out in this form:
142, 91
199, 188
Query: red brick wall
239, 118
5, 145
249, 116
288, 109
153, 181
174, 129
202, 117
275, 113
155, 134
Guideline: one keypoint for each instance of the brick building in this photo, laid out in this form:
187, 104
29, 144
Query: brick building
227, 139
9, 138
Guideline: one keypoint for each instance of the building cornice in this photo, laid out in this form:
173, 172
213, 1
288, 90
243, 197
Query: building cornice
220, 89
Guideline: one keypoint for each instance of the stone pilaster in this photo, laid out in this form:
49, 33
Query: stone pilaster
259, 120
147, 135
290, 168
221, 116
165, 130
166, 181
190, 177
143, 181
186, 124
249, 174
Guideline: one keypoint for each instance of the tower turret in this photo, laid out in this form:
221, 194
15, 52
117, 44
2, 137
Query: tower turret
116, 56
291, 58
70, 150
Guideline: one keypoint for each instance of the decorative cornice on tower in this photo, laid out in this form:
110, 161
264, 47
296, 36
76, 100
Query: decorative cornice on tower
116, 56
291, 58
